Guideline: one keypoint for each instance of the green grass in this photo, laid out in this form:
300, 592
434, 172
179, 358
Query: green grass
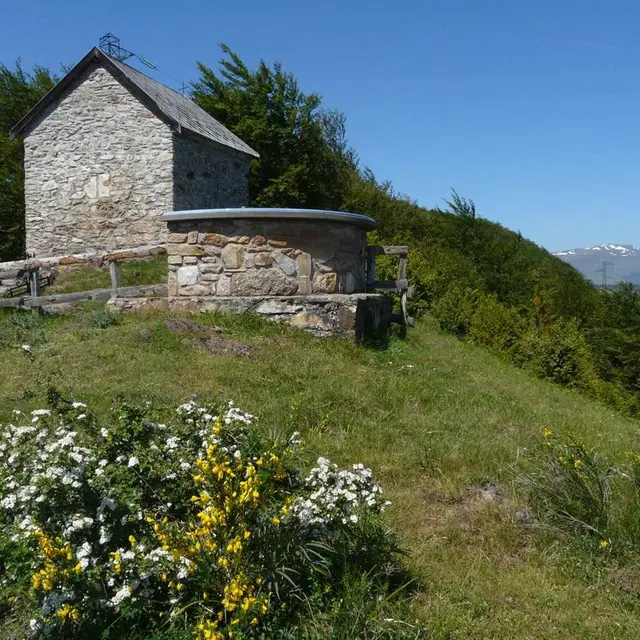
435, 418
132, 273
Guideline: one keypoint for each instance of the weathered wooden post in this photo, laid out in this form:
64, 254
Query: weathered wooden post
114, 272
34, 281
402, 275
371, 265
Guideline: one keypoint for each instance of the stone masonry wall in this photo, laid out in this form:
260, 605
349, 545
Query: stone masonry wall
98, 169
264, 258
206, 176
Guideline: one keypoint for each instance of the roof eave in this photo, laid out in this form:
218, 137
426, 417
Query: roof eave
252, 153
50, 96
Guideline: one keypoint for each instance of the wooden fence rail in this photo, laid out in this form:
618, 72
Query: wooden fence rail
33, 282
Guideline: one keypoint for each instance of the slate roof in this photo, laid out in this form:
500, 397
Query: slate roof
178, 111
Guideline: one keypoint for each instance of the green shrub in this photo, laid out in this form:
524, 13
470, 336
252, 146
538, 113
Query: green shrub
455, 309
496, 326
572, 487
23, 327
102, 318
575, 490
558, 353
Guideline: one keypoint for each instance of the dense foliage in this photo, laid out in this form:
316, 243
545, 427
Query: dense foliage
128, 526
303, 155
580, 494
19, 91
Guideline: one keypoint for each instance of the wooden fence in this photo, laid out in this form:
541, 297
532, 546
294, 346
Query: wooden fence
32, 294
400, 285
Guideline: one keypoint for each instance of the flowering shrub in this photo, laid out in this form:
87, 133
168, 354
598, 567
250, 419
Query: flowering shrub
194, 523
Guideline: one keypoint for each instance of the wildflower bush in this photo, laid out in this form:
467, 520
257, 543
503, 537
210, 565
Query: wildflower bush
572, 489
576, 492
184, 522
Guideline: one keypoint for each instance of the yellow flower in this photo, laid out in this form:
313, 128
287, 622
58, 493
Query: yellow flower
547, 433
78, 569
275, 520
604, 544
132, 542
67, 612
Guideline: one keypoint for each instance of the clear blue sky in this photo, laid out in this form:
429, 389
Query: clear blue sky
532, 109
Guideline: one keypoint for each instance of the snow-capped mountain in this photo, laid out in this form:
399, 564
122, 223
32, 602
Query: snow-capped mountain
623, 262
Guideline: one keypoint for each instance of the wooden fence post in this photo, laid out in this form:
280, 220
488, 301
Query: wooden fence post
34, 282
371, 265
114, 272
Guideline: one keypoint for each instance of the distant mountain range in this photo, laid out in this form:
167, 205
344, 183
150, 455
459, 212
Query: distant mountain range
623, 262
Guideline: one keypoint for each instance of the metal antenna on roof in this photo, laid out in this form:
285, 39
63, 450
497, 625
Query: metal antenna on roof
110, 44
147, 63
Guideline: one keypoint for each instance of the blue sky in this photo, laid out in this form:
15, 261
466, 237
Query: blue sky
532, 109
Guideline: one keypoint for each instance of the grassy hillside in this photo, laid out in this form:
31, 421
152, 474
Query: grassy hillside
490, 285
447, 427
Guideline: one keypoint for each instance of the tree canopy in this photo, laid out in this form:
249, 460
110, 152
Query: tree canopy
19, 92
304, 158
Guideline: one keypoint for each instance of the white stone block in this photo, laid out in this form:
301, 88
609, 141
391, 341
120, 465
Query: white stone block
188, 275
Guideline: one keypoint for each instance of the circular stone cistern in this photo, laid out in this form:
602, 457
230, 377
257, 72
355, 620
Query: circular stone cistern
265, 252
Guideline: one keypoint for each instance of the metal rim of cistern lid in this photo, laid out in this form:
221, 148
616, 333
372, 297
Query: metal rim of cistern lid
259, 213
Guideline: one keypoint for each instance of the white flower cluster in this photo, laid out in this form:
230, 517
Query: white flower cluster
60, 479
338, 495
42, 457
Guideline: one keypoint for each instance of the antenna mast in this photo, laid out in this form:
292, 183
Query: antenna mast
111, 46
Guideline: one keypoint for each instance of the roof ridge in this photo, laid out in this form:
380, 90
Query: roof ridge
176, 109
146, 75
